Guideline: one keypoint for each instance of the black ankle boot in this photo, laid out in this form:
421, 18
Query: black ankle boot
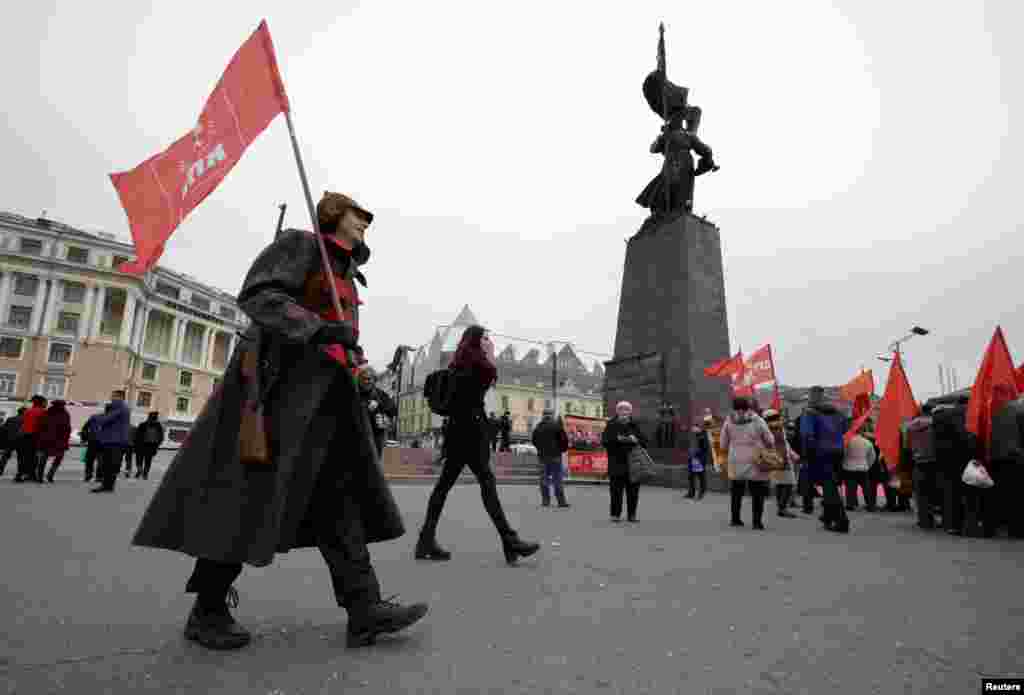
515, 548
213, 626
428, 549
367, 621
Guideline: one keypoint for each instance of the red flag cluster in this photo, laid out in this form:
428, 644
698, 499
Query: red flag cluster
747, 374
158, 194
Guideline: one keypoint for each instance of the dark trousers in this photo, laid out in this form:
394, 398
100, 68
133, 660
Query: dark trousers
341, 542
551, 477
702, 478
805, 487
128, 452
468, 446
144, 460
5, 456
110, 464
92, 453
27, 456
758, 492
1011, 483
832, 501
851, 481
952, 494
54, 464
981, 516
618, 484
783, 493
924, 477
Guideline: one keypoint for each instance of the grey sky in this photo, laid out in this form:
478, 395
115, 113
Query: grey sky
869, 176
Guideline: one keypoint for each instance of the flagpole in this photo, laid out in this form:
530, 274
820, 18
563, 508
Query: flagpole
312, 215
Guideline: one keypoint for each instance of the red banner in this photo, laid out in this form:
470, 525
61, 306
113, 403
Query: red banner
726, 367
863, 383
158, 194
586, 455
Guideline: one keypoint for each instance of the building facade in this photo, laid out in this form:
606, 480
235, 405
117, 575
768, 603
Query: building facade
73, 327
524, 387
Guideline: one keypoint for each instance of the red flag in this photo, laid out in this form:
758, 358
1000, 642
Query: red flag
158, 194
726, 367
995, 385
897, 405
863, 383
759, 367
1020, 378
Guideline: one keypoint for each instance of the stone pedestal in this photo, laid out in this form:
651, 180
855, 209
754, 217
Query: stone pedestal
672, 324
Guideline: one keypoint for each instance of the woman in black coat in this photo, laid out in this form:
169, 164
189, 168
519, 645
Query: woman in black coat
467, 443
619, 437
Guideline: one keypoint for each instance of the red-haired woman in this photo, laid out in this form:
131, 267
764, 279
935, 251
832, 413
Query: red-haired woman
467, 441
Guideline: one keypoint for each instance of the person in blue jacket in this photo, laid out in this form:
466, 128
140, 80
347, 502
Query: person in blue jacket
822, 427
112, 433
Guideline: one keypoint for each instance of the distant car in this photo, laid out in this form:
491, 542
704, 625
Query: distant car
523, 449
391, 442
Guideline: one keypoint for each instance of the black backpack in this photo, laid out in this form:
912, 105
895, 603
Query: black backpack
439, 390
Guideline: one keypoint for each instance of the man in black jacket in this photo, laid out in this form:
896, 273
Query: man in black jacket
380, 406
952, 452
10, 431
505, 429
148, 438
551, 441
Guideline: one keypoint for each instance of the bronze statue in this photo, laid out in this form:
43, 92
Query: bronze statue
672, 189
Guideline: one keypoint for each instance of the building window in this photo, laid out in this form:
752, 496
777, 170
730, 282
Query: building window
547, 404
144, 399
529, 404
74, 292
504, 402
8, 382
119, 261
54, 386
60, 353
149, 371
10, 348
228, 313
192, 352
117, 395
77, 254
185, 379
167, 289
159, 331
182, 406
31, 246
26, 285
67, 322
200, 302
19, 317
113, 312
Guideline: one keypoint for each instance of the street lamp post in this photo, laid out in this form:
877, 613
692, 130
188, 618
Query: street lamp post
894, 346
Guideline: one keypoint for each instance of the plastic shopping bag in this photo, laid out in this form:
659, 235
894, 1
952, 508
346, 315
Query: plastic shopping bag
975, 475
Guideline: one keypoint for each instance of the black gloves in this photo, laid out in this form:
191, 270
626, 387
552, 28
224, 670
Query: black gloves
335, 333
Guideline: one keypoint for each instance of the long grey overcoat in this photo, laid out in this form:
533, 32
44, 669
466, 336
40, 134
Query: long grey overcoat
209, 504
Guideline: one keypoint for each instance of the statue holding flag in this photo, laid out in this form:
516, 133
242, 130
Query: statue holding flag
671, 191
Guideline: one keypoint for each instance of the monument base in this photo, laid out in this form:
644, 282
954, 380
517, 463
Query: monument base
672, 324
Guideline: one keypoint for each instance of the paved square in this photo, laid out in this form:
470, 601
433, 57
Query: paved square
678, 603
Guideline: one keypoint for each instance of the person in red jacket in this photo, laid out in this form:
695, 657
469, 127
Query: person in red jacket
27, 441
53, 438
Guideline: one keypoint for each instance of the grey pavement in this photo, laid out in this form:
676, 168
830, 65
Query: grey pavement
677, 603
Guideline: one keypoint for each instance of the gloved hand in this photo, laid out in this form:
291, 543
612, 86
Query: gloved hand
335, 333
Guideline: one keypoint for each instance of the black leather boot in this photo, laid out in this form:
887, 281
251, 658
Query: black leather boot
736, 501
514, 547
368, 620
428, 549
211, 624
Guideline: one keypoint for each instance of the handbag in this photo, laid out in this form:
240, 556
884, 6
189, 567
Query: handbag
975, 475
641, 466
768, 459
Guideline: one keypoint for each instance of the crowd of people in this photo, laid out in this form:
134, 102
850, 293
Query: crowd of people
40, 435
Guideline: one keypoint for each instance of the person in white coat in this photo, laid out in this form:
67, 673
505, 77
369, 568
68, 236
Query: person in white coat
857, 461
744, 435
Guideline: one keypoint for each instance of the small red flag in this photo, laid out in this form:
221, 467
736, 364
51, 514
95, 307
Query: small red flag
726, 367
995, 385
863, 383
897, 405
158, 194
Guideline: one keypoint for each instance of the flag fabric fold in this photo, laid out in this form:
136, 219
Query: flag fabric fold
726, 367
863, 383
897, 405
995, 385
158, 194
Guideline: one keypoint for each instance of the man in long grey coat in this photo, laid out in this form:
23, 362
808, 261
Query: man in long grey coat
320, 483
